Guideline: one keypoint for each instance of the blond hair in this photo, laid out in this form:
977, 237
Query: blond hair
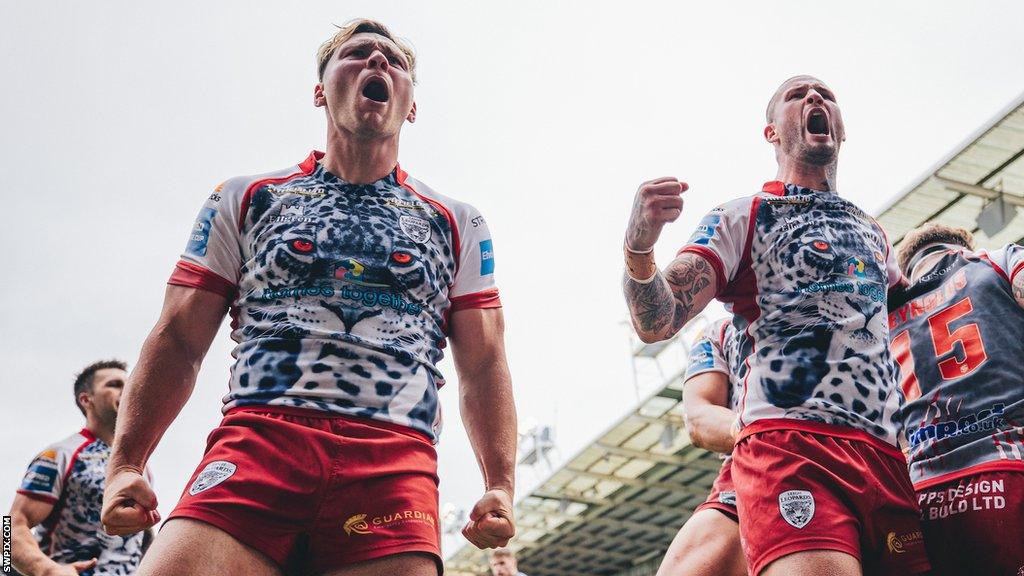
931, 233
358, 26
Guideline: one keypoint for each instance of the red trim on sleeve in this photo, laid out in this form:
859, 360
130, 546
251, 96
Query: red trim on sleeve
401, 176
1016, 269
195, 276
37, 496
716, 263
305, 167
775, 188
482, 299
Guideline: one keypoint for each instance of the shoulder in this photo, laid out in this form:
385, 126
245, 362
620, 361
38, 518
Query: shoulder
238, 187
459, 210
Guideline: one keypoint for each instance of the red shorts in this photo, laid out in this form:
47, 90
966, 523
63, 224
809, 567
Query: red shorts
314, 491
831, 489
723, 493
975, 524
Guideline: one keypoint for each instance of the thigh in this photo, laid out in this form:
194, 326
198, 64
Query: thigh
408, 564
707, 545
187, 547
817, 562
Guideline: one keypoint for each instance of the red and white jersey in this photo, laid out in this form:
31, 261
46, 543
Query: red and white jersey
716, 351
340, 293
806, 273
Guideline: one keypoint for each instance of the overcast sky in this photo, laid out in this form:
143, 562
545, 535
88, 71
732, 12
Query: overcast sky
120, 117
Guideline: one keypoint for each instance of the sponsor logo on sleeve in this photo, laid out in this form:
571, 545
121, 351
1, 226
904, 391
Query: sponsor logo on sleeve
486, 258
478, 221
41, 476
417, 229
797, 507
706, 230
701, 356
214, 473
201, 232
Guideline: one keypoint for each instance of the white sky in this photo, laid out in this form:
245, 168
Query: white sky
120, 117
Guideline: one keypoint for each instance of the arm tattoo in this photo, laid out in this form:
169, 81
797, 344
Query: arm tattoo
687, 280
662, 306
1018, 289
650, 304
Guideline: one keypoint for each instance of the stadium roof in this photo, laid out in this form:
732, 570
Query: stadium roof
988, 163
615, 505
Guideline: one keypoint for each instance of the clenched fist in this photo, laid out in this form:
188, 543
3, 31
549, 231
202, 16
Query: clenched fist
129, 503
491, 524
657, 203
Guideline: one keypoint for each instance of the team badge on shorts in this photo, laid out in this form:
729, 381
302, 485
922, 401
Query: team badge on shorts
797, 507
214, 473
417, 229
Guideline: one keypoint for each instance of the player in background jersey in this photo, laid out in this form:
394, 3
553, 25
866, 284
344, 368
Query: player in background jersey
63, 488
344, 277
708, 544
805, 273
958, 334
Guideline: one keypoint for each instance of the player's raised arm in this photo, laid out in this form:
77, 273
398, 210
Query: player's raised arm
156, 391
489, 414
660, 303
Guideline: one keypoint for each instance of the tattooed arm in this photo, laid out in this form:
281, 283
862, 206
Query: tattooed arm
661, 307
1018, 289
661, 303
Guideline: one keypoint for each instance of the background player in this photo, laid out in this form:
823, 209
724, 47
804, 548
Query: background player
806, 274
63, 488
958, 334
708, 544
344, 276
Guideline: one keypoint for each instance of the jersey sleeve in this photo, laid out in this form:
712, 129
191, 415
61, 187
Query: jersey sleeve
213, 255
1011, 258
474, 285
722, 238
707, 354
44, 479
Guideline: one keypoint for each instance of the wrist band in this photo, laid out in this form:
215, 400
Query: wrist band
637, 252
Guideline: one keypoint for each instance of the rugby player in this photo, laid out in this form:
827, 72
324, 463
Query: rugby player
708, 544
62, 490
958, 335
819, 480
344, 277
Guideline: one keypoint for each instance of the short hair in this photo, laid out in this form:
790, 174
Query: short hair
357, 26
931, 233
771, 102
84, 379
503, 553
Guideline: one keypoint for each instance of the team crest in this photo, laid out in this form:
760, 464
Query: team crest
797, 507
214, 473
417, 229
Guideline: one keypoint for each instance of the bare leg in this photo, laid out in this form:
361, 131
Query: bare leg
407, 564
817, 562
188, 547
707, 545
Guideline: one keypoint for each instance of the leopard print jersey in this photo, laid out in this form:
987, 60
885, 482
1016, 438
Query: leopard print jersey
806, 273
341, 292
71, 475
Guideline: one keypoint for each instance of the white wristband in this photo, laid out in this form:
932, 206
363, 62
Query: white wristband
638, 252
639, 281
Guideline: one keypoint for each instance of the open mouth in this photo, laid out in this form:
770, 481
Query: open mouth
817, 122
376, 90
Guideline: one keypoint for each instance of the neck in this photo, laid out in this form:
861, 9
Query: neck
100, 430
814, 176
359, 160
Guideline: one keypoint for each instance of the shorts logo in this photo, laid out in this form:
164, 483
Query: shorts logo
797, 507
728, 498
486, 258
214, 473
357, 524
417, 229
897, 544
894, 544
